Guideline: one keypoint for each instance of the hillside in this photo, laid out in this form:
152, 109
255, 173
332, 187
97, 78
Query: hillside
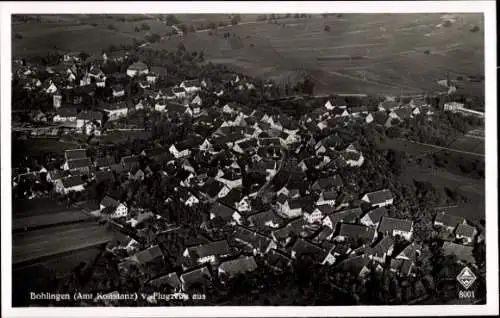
370, 53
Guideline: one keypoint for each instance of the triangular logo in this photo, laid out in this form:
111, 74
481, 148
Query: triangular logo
466, 277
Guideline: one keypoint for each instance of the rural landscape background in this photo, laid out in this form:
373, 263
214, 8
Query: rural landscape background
371, 53
432, 162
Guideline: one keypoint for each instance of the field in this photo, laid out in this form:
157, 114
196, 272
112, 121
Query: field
388, 51
73, 216
471, 142
32, 245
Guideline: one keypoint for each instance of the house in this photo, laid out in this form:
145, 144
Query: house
464, 253
358, 234
191, 86
179, 92
302, 248
199, 276
136, 174
466, 233
327, 184
115, 111
237, 200
226, 213
104, 176
104, 162
171, 280
278, 260
231, 179
85, 117
292, 208
54, 175
207, 253
345, 216
178, 153
213, 189
129, 162
410, 252
68, 184
453, 106
382, 249
118, 90
327, 197
237, 266
379, 198
356, 266
138, 68
388, 105
75, 154
256, 242
65, 114
372, 218
266, 219
393, 227
318, 213
81, 165
448, 222
115, 208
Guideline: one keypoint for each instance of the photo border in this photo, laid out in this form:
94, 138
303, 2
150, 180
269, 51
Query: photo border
485, 7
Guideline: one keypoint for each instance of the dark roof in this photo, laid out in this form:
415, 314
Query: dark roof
222, 211
67, 111
212, 187
234, 196
403, 113
103, 176
209, 249
462, 252
302, 202
138, 66
196, 276
376, 214
346, 216
387, 225
72, 181
176, 108
302, 247
79, 163
379, 196
353, 265
108, 201
277, 258
171, 280
238, 266
357, 231
402, 265
117, 168
409, 252
58, 174
329, 195
75, 153
449, 219
178, 89
264, 218
251, 238
149, 254
128, 160
192, 83
104, 161
465, 230
388, 105
382, 247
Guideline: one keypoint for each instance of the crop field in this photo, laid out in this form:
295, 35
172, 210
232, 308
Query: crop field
74, 216
389, 53
37, 207
36, 145
36, 244
471, 142
405, 146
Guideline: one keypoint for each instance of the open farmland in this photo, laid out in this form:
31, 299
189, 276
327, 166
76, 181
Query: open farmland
370, 53
471, 142
36, 244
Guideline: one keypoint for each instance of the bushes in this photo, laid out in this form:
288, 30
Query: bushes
327, 28
145, 27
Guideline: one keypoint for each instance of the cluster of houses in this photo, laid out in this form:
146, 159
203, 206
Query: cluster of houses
305, 218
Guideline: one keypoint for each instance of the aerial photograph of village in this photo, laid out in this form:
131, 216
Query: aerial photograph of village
326, 159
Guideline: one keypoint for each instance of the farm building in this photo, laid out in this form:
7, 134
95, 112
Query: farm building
137, 69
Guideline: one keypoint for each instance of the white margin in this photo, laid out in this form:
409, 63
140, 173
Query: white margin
486, 7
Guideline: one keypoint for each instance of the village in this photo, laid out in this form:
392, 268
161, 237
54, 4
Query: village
249, 172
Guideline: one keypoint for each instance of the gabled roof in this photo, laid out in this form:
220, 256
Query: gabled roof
212, 187
138, 66
353, 265
409, 252
265, 218
75, 153
449, 219
222, 211
302, 247
104, 161
382, 247
103, 176
149, 254
465, 230
108, 201
238, 266
72, 181
388, 105
345, 216
357, 231
402, 265
387, 225
213, 248
376, 214
251, 238
192, 83
128, 160
379, 196
463, 252
172, 280
67, 112
196, 276
79, 163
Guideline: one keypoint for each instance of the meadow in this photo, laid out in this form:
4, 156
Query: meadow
390, 53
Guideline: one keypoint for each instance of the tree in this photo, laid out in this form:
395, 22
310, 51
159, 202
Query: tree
327, 28
171, 20
145, 27
236, 19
